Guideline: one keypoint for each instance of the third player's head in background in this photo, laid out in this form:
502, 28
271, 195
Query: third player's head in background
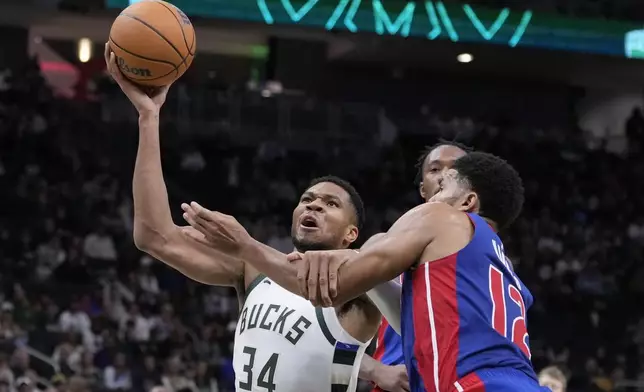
484, 184
433, 161
329, 215
553, 378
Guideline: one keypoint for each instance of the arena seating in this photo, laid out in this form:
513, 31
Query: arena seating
82, 308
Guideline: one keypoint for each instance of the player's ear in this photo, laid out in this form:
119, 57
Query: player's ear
352, 234
470, 202
421, 190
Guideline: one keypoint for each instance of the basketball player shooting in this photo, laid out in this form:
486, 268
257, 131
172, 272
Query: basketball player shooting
282, 343
462, 316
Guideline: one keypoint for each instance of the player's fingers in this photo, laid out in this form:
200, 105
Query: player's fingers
111, 61
302, 276
117, 75
324, 284
295, 256
163, 91
333, 279
188, 217
203, 212
196, 236
106, 53
314, 269
404, 379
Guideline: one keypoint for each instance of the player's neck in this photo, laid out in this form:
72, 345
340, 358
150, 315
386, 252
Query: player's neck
302, 249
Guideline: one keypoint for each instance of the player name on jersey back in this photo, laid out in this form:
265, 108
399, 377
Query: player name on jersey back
284, 344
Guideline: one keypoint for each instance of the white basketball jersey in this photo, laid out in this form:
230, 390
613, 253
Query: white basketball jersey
284, 344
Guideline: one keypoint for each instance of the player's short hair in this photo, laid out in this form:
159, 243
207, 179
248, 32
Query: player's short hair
554, 372
428, 150
354, 196
497, 183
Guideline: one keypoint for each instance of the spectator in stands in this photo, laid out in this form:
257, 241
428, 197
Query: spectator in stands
68, 357
75, 320
147, 375
6, 374
173, 378
553, 378
24, 384
117, 377
99, 245
88, 371
134, 326
20, 362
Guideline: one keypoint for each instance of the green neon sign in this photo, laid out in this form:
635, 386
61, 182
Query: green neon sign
430, 19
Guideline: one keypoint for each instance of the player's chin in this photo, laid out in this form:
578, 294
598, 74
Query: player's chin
309, 241
308, 237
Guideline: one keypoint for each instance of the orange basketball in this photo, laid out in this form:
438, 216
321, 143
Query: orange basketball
154, 42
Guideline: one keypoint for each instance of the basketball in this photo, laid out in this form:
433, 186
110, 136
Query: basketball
154, 42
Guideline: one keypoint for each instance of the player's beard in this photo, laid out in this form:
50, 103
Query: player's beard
303, 245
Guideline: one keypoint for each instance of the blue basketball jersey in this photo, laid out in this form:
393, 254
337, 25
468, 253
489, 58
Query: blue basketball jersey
466, 313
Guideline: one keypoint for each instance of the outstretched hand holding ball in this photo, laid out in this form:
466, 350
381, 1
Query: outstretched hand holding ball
146, 99
154, 43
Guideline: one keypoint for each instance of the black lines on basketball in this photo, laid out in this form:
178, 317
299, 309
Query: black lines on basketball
150, 49
183, 33
146, 24
175, 68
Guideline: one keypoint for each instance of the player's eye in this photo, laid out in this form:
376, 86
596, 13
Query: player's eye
333, 204
434, 170
305, 200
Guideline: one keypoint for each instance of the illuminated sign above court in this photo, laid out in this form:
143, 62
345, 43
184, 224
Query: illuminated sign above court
431, 20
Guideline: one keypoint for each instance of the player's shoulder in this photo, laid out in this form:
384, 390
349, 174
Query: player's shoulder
439, 213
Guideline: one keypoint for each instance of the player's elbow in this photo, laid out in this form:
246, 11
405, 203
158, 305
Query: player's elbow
147, 239
143, 239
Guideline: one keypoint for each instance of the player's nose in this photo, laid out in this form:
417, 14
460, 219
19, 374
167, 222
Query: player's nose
315, 205
440, 179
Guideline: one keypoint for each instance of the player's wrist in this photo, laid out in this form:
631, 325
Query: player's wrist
376, 372
148, 114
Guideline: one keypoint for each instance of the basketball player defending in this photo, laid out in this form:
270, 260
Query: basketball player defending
432, 162
463, 311
282, 343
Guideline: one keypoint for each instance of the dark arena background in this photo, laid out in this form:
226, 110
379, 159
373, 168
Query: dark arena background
282, 91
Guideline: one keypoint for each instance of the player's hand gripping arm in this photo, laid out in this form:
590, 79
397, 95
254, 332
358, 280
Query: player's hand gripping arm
391, 255
154, 230
388, 378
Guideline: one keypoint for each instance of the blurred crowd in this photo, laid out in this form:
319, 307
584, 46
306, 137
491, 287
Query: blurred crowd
82, 310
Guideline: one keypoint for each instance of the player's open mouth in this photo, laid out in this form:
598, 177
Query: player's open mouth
308, 222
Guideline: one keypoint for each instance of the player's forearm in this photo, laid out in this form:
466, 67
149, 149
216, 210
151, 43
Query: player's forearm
373, 265
386, 296
368, 368
272, 263
152, 217
360, 275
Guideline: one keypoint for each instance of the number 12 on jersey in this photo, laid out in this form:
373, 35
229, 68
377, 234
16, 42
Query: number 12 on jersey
518, 332
266, 377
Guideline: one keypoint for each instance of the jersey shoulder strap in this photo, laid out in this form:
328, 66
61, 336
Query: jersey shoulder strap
347, 351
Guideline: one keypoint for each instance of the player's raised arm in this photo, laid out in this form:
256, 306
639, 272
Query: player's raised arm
154, 230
